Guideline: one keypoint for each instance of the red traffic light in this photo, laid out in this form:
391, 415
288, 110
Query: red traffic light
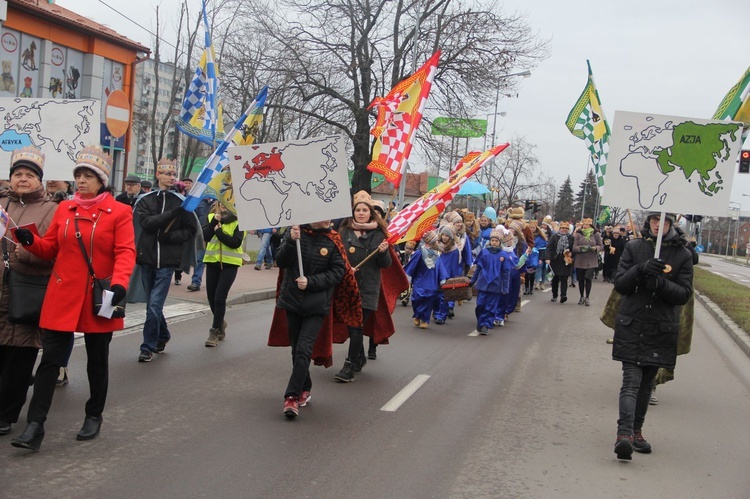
745, 154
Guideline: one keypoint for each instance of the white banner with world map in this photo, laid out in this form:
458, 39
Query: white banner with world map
59, 127
673, 164
290, 183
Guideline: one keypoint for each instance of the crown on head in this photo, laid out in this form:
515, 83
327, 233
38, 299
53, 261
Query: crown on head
362, 197
166, 164
587, 221
95, 157
29, 154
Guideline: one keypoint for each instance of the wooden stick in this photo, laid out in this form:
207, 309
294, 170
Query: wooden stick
630, 218
363, 261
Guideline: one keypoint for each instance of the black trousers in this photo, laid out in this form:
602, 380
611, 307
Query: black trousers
303, 331
562, 282
218, 283
54, 350
16, 368
356, 338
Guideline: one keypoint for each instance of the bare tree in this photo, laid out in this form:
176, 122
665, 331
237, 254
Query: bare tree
515, 175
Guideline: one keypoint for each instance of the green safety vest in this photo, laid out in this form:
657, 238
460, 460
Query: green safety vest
216, 251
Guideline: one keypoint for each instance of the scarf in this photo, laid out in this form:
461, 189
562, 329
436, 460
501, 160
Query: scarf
88, 203
429, 256
562, 244
362, 227
587, 232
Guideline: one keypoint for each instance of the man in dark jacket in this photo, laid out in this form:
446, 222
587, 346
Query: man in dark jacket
132, 191
165, 229
648, 319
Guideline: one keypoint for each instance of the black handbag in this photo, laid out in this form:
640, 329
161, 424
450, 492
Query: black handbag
25, 293
99, 285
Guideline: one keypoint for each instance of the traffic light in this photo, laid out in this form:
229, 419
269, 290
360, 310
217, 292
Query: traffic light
745, 161
527, 205
537, 207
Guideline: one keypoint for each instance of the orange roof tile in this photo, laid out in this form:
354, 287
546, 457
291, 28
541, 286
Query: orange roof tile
70, 19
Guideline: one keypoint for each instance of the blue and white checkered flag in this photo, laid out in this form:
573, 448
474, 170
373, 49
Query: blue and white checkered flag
219, 159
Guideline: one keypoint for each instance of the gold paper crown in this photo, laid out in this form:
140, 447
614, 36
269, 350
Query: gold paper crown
95, 158
166, 164
586, 221
497, 234
565, 225
362, 197
28, 154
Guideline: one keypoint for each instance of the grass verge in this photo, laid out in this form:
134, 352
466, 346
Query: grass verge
732, 298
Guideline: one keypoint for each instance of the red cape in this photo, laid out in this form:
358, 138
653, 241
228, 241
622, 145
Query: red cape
380, 326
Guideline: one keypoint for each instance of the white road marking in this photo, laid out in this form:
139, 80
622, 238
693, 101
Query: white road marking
546, 290
524, 302
402, 396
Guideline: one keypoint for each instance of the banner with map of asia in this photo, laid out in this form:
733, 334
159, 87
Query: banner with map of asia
59, 127
669, 163
290, 183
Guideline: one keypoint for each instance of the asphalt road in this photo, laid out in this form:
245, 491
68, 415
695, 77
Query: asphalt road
719, 265
529, 411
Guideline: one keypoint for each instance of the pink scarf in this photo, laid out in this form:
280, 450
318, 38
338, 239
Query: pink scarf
88, 203
365, 226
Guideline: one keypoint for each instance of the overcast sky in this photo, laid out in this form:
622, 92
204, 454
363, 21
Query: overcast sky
659, 56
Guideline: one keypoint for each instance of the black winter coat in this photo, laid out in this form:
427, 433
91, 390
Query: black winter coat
557, 262
323, 266
156, 245
648, 321
368, 275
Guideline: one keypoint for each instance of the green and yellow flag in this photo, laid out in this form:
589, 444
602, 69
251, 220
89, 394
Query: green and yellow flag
736, 104
586, 121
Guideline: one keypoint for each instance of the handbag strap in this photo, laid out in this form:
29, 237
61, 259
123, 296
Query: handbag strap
83, 248
6, 256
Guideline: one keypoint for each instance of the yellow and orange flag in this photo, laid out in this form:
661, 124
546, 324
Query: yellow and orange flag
399, 114
420, 216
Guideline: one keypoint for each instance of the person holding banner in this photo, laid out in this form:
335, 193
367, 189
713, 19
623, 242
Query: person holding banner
25, 203
90, 234
363, 235
655, 282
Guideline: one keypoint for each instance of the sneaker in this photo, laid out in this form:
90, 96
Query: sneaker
440, 321
304, 398
223, 331
581, 301
500, 323
554, 298
624, 447
451, 315
177, 282
483, 330
62, 378
640, 444
416, 321
269, 266
213, 337
291, 407
573, 284
193, 287
653, 400
586, 301
563, 299
346, 375
145, 356
257, 267
160, 346
422, 325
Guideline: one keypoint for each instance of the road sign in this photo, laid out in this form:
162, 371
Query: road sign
117, 113
459, 127
700, 248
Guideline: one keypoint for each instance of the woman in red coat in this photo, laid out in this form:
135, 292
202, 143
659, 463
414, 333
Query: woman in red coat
106, 230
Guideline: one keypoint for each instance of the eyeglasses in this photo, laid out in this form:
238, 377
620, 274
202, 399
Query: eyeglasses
168, 174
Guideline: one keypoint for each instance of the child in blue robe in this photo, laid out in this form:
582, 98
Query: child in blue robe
455, 258
425, 274
515, 250
492, 280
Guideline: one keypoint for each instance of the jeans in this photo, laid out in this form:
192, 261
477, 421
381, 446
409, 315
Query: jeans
54, 347
265, 250
198, 269
218, 282
635, 392
156, 282
303, 331
16, 368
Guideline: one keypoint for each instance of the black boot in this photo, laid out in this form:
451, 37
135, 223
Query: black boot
31, 438
358, 364
4, 427
90, 428
346, 375
372, 353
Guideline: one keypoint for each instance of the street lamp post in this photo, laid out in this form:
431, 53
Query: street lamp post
736, 231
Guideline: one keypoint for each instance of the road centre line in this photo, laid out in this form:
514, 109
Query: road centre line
402, 396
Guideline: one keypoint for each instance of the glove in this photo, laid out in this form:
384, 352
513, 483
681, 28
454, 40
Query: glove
164, 237
654, 283
25, 236
118, 293
585, 249
653, 267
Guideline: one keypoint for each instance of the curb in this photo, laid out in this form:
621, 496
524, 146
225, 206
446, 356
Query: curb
251, 296
740, 337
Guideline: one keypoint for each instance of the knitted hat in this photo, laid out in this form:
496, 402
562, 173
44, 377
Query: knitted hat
507, 239
497, 234
96, 160
379, 207
453, 217
30, 157
547, 219
490, 213
670, 216
447, 229
165, 164
516, 213
517, 227
430, 237
362, 197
